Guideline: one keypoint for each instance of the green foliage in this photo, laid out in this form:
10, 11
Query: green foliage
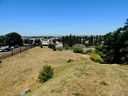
88, 51
57, 90
87, 45
59, 48
115, 47
50, 45
91, 42
41, 45
54, 47
104, 83
37, 42
70, 60
66, 47
95, 57
78, 50
45, 73
28, 91
2, 40
13, 38
72, 40
78, 94
28, 41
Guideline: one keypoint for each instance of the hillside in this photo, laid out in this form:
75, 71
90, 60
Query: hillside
79, 78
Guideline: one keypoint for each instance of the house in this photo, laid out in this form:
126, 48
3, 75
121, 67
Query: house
79, 45
45, 41
59, 44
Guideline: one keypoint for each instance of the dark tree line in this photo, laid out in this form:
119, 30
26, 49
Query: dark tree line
115, 47
86, 40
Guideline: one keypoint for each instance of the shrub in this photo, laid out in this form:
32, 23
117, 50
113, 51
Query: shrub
54, 47
78, 50
103, 83
41, 45
45, 73
88, 51
95, 57
70, 60
0, 64
50, 45
66, 48
59, 48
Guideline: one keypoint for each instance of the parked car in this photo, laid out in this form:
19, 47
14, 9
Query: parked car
16, 46
5, 49
0, 50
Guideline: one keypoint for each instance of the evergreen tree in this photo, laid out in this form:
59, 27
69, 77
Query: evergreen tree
115, 47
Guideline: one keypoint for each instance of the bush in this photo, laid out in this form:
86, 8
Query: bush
95, 57
45, 74
66, 48
88, 51
54, 47
104, 83
50, 45
59, 48
78, 50
70, 60
41, 45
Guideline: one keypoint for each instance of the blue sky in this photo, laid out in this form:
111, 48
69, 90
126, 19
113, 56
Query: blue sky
62, 17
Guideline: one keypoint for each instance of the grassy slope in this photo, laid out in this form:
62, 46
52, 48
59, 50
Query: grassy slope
79, 78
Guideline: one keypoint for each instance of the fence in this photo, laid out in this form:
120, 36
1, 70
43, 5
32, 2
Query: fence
14, 51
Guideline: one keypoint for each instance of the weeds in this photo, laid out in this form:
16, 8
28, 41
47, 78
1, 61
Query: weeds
56, 90
78, 94
70, 60
104, 83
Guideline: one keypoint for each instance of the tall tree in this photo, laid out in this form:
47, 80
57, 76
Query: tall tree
91, 40
13, 38
115, 47
2, 40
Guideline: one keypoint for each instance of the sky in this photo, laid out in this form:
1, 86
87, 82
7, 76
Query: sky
62, 17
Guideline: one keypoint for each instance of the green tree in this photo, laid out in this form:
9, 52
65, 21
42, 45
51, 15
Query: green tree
91, 40
100, 39
54, 45
26, 41
50, 45
78, 50
45, 73
37, 41
115, 47
2, 40
13, 38
68, 41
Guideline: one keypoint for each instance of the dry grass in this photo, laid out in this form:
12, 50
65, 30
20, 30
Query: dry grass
79, 78
4, 55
